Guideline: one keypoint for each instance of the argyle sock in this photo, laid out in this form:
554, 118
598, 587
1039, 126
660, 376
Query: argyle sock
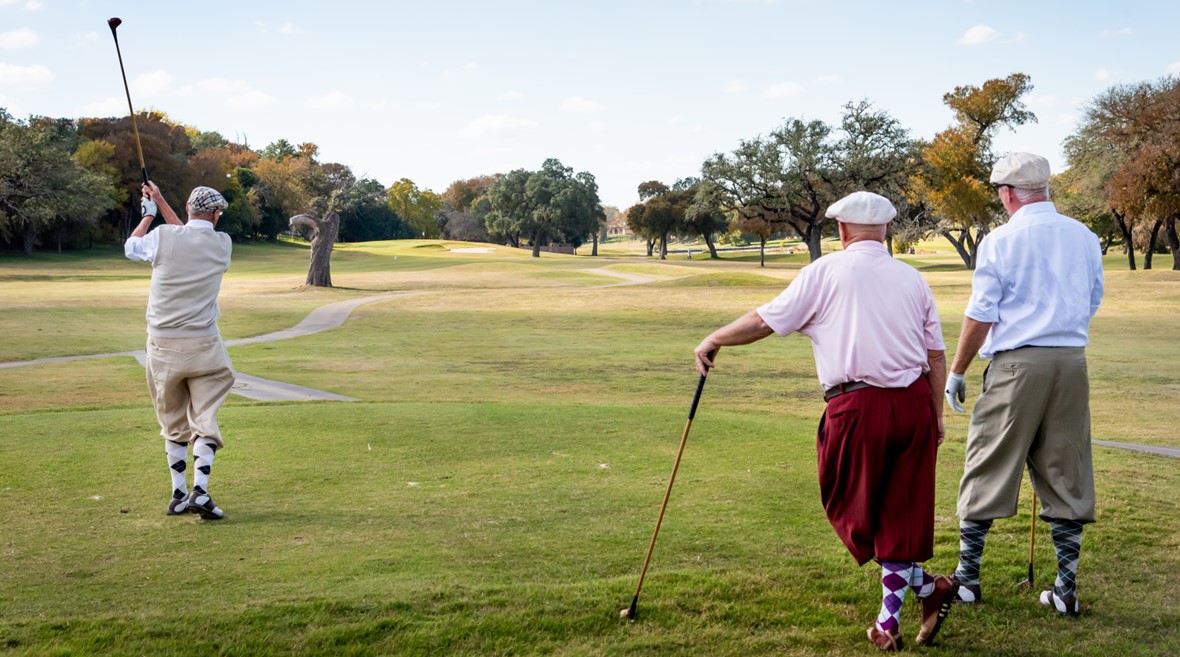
203, 452
177, 455
1067, 540
972, 536
895, 579
921, 582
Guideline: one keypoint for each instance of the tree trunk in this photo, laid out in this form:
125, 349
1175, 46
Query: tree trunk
1155, 233
323, 238
964, 245
762, 252
537, 243
1128, 242
29, 236
1173, 242
651, 244
664, 246
814, 246
712, 247
1107, 239
889, 242
594, 251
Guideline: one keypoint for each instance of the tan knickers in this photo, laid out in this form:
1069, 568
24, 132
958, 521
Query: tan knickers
188, 379
1034, 409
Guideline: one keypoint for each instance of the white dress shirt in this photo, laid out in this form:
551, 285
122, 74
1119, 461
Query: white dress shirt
1038, 281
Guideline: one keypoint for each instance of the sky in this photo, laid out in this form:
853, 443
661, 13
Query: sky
437, 90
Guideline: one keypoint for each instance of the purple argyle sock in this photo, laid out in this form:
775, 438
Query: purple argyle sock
921, 582
895, 579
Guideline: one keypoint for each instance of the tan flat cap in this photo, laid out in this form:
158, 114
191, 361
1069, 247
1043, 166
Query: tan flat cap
204, 200
862, 208
1023, 170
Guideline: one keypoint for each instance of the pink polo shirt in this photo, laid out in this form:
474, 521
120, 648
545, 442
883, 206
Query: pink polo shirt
870, 317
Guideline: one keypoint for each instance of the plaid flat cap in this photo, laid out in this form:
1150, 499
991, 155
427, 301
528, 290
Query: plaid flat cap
204, 200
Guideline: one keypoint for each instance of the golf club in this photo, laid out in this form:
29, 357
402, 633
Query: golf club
114, 23
630, 612
1032, 539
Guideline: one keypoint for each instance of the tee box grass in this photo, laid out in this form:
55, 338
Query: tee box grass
494, 490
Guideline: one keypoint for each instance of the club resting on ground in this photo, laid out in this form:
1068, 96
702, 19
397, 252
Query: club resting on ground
630, 612
114, 23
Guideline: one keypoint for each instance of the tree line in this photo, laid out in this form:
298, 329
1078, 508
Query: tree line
71, 183
1123, 179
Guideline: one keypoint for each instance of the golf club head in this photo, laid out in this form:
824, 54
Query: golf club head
1028, 583
114, 23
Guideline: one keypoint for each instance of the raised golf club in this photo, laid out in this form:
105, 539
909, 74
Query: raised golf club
114, 24
630, 612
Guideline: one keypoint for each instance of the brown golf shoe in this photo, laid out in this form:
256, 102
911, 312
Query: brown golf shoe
885, 641
935, 607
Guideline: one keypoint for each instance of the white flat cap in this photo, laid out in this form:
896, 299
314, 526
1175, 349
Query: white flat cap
862, 208
1023, 170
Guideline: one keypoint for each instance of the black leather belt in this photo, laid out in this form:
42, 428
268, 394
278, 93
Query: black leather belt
841, 388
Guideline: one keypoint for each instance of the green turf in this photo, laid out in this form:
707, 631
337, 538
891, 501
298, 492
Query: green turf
494, 491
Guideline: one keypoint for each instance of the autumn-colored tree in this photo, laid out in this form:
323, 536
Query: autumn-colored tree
952, 178
417, 207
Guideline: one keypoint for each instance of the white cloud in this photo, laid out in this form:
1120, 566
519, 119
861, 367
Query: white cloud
22, 38
978, 35
579, 104
1102, 74
735, 87
1037, 101
597, 126
332, 100
1126, 31
675, 120
25, 76
33, 5
249, 100
289, 28
216, 87
462, 71
783, 90
1173, 69
90, 37
380, 104
491, 125
510, 95
152, 84
829, 79
261, 27
109, 106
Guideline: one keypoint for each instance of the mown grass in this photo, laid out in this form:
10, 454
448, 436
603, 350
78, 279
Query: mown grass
494, 491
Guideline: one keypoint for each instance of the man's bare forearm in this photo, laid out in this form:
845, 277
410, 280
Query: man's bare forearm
971, 338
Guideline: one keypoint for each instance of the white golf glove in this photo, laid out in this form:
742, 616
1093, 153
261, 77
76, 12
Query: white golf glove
147, 207
956, 392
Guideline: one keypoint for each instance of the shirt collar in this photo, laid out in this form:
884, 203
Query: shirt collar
867, 245
1026, 212
200, 224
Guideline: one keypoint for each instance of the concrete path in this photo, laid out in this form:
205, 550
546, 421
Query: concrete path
1147, 449
324, 318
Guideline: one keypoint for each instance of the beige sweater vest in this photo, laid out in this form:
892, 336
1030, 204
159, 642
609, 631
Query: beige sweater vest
186, 278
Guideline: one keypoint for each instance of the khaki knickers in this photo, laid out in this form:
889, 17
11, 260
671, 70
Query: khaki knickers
1034, 409
188, 379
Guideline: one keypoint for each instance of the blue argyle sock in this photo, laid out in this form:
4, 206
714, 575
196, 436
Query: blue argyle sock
972, 536
1067, 540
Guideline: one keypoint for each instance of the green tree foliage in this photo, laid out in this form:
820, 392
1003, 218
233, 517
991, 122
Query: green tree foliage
42, 188
552, 204
417, 207
952, 177
367, 217
465, 209
661, 213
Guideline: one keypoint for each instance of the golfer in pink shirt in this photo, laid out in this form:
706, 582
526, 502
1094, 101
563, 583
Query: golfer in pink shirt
879, 355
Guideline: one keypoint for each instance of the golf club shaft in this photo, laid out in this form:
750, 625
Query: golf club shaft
1032, 536
668, 492
127, 90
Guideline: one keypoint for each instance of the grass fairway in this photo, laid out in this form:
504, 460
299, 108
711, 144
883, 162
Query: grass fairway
494, 491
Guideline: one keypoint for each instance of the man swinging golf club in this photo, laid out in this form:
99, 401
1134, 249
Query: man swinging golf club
879, 355
1037, 283
189, 373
